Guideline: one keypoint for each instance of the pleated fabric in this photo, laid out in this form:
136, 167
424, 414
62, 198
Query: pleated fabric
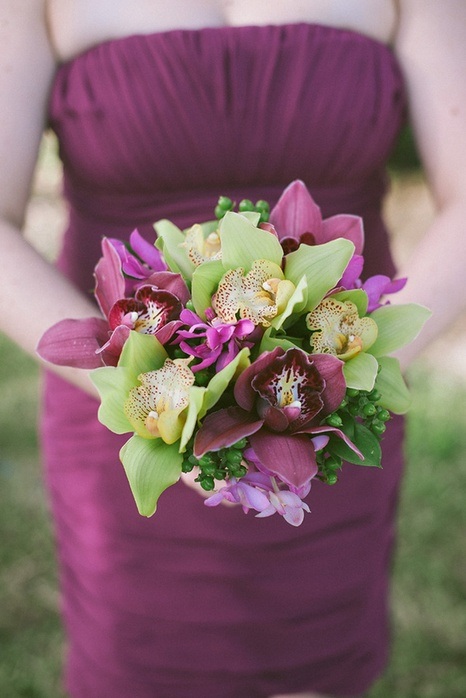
198, 602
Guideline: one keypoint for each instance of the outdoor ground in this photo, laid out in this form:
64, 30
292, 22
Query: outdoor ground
429, 591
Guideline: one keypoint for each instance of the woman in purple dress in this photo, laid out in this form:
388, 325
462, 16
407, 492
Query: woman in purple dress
159, 108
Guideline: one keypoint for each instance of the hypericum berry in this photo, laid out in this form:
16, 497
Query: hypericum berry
334, 420
378, 428
207, 483
332, 479
352, 392
369, 409
202, 377
186, 466
225, 202
383, 415
374, 395
234, 456
245, 205
241, 444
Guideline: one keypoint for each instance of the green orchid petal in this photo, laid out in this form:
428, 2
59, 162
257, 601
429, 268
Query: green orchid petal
295, 304
151, 466
360, 372
204, 284
398, 325
243, 243
391, 385
356, 296
141, 353
196, 401
219, 383
322, 265
170, 242
113, 384
252, 216
270, 341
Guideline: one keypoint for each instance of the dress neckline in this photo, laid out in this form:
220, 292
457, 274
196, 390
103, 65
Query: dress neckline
316, 27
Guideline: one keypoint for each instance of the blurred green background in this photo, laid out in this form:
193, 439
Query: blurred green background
428, 597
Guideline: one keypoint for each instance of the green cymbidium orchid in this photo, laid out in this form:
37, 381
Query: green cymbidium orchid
154, 396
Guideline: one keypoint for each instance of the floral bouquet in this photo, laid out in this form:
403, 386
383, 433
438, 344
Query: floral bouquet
246, 348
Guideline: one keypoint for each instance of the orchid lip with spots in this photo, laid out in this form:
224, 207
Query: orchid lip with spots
247, 347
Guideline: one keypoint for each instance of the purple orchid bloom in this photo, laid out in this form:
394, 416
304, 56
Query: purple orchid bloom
93, 342
148, 259
375, 286
222, 340
282, 398
261, 493
297, 219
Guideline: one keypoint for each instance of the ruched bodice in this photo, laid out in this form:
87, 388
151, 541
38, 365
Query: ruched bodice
194, 602
160, 125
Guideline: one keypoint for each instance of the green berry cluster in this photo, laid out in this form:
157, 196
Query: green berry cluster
363, 405
216, 465
225, 204
360, 406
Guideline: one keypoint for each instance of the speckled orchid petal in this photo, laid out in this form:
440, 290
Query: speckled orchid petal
160, 307
338, 329
153, 408
200, 248
255, 296
291, 381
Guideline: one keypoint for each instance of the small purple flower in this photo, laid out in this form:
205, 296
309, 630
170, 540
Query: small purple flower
221, 340
148, 258
261, 492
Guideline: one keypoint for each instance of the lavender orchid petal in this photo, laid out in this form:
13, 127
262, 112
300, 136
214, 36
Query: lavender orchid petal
74, 343
334, 430
296, 212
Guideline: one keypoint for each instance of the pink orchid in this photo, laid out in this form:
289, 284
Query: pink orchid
221, 340
93, 342
282, 398
297, 219
148, 258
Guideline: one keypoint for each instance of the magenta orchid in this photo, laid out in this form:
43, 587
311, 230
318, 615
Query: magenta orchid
375, 286
282, 398
220, 341
148, 258
297, 219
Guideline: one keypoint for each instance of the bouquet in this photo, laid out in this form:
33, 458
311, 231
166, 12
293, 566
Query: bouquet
246, 348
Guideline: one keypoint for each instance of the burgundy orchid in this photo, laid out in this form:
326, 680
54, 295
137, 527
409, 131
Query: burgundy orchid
282, 399
297, 219
93, 342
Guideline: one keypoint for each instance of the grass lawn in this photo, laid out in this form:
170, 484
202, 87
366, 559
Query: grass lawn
429, 653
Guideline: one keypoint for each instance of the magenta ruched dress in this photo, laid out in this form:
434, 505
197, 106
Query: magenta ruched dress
198, 602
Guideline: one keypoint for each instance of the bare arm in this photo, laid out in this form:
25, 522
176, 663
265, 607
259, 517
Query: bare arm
34, 294
431, 46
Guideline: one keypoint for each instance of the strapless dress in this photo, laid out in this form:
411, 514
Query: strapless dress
197, 602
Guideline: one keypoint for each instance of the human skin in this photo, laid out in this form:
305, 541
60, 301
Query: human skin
427, 37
